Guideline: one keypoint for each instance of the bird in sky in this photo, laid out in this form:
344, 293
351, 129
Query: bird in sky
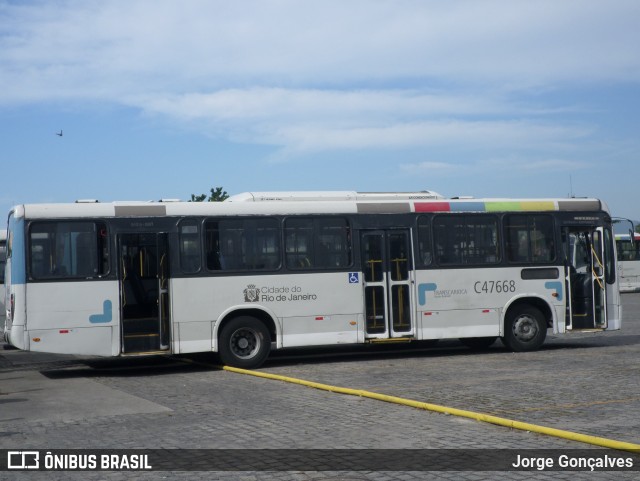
59, 134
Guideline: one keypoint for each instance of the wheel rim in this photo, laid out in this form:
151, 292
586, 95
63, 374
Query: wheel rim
245, 343
525, 328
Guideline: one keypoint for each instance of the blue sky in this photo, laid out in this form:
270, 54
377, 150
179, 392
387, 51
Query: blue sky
164, 99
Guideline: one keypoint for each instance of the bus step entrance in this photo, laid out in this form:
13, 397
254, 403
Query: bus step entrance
140, 335
390, 340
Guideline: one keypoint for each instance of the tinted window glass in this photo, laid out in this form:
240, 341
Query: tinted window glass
529, 238
190, 260
317, 243
68, 250
425, 246
242, 244
466, 239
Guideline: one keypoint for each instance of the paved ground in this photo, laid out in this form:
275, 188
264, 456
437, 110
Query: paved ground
587, 383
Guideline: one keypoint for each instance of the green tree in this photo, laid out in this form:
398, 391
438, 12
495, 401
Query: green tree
218, 194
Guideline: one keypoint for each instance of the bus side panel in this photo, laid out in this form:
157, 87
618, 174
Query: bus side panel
614, 308
455, 303
456, 323
559, 319
321, 330
15, 323
74, 317
196, 305
192, 337
93, 341
315, 309
629, 275
318, 309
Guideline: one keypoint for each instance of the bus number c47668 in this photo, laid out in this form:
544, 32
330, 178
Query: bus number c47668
489, 287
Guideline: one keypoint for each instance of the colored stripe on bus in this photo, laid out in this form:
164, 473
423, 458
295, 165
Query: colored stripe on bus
432, 206
488, 206
523, 205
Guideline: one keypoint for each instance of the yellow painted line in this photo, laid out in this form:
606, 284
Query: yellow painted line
558, 433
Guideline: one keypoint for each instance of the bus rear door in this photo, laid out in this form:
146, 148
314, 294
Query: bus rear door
388, 276
144, 292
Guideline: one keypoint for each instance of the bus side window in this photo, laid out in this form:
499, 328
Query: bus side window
74, 250
318, 243
466, 240
425, 247
529, 238
242, 244
86, 256
189, 247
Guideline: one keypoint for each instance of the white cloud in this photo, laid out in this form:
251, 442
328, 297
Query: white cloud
303, 121
111, 50
308, 77
520, 167
314, 104
476, 134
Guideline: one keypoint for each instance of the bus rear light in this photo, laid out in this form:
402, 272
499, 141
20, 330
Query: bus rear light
64, 331
12, 305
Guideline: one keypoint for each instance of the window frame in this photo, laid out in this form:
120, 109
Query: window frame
315, 251
531, 258
453, 238
102, 250
215, 256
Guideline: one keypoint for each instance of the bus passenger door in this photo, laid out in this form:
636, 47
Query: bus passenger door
388, 275
164, 312
585, 278
144, 292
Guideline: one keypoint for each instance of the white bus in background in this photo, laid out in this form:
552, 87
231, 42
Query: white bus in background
628, 261
279, 270
3, 257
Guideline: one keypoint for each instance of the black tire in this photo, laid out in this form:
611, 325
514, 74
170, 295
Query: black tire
525, 329
244, 342
478, 343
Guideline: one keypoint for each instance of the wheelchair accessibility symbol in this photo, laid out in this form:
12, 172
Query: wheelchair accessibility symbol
354, 277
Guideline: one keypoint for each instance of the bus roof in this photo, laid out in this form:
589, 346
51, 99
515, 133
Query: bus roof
299, 196
286, 203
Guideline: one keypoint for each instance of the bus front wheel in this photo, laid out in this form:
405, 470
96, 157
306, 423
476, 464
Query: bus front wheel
525, 329
244, 343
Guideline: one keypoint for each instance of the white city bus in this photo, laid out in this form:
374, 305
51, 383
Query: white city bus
268, 271
3, 257
628, 262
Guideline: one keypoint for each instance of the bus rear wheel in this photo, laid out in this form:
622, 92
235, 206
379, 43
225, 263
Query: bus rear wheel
525, 329
244, 343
